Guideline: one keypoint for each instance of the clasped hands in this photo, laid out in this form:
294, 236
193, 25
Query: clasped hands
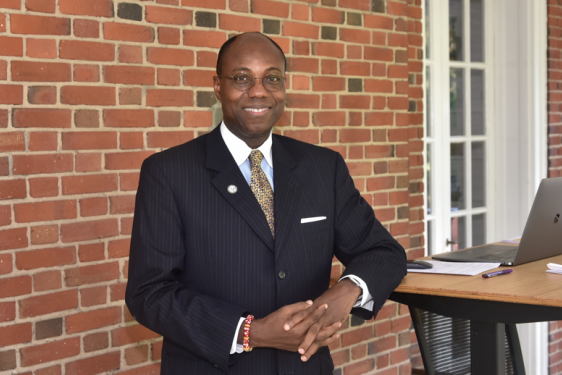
306, 326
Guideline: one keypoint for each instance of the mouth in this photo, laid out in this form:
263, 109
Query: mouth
257, 111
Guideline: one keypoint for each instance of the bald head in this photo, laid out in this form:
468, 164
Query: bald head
237, 40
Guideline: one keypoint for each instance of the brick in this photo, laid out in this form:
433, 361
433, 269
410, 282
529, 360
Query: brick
129, 181
89, 184
156, 350
51, 163
48, 328
96, 8
39, 354
170, 56
43, 141
308, 136
41, 118
129, 75
172, 16
239, 23
379, 151
92, 274
129, 54
379, 54
87, 162
199, 78
131, 95
42, 95
168, 139
13, 189
328, 83
48, 280
169, 35
15, 334
355, 101
93, 296
12, 141
13, 239
329, 49
53, 257
5, 219
379, 86
11, 46
122, 204
169, 98
169, 119
4, 166
89, 140
92, 252
11, 4
128, 32
360, 368
7, 311
303, 30
44, 6
86, 73
41, 48
136, 354
119, 248
198, 118
355, 135
40, 71
96, 341
153, 369
3, 64
126, 160
303, 101
11, 94
353, 68
95, 365
329, 118
86, 28
117, 292
327, 15
210, 39
80, 50
212, 4
39, 25
131, 140
13, 286
94, 319
270, 8
131, 334
302, 64
168, 77
45, 211
88, 95
378, 22
355, 36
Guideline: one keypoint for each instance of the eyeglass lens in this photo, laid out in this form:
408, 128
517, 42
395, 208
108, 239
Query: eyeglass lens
271, 82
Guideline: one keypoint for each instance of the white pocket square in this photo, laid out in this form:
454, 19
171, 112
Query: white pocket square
312, 219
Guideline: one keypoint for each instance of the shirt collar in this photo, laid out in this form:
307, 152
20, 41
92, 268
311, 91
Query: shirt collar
240, 150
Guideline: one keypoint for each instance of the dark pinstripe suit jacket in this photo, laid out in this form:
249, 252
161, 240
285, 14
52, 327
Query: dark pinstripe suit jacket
202, 257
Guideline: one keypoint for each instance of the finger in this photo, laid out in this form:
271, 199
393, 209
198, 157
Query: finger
305, 315
315, 333
317, 345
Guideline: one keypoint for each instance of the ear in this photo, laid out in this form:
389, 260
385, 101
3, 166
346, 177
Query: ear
217, 87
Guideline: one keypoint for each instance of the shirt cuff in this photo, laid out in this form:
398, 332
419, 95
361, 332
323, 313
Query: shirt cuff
237, 348
365, 300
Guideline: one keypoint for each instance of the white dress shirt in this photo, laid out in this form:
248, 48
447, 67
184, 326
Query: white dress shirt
240, 152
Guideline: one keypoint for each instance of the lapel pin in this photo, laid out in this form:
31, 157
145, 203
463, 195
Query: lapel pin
232, 189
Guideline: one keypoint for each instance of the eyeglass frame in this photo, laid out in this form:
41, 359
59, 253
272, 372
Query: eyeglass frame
254, 79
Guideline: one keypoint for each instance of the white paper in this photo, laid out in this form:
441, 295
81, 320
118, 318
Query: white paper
456, 268
554, 268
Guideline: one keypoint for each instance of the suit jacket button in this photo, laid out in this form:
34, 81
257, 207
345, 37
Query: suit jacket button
281, 275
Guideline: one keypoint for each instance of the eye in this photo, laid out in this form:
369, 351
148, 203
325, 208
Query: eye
272, 79
242, 78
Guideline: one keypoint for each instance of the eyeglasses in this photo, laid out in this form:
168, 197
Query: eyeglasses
244, 81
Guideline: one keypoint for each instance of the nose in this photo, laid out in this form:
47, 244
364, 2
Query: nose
258, 90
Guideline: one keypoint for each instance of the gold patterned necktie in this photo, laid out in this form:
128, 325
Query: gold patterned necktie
261, 188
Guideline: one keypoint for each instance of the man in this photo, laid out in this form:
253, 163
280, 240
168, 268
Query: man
212, 244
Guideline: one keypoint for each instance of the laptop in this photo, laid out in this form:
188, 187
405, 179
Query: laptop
542, 237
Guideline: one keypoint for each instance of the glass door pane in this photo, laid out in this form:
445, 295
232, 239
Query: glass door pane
456, 30
457, 177
476, 30
456, 85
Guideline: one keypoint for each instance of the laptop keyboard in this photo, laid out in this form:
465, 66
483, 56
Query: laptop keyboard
504, 256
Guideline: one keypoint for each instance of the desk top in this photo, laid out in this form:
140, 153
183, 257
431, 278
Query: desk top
528, 284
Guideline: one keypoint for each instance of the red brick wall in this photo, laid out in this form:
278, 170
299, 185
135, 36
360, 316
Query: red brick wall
555, 143
89, 88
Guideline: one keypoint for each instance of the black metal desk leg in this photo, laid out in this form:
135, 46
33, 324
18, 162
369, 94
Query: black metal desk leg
422, 342
515, 349
487, 346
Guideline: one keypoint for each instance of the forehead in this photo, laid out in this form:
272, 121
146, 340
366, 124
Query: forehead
254, 52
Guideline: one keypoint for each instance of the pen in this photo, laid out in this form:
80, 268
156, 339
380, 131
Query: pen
497, 273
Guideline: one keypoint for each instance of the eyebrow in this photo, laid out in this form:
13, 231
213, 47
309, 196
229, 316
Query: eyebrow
267, 70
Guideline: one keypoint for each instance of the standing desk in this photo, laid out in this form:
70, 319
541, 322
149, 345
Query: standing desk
493, 306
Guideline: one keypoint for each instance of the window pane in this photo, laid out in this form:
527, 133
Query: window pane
428, 101
457, 177
476, 30
456, 84
478, 230
428, 174
478, 174
427, 55
455, 30
458, 233
477, 101
429, 237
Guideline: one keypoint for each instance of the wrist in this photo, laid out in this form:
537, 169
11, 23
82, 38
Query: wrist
353, 289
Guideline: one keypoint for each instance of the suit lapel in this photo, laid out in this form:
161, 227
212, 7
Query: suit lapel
220, 159
287, 192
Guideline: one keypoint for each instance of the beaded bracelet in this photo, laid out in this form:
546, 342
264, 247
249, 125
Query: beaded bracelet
246, 342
